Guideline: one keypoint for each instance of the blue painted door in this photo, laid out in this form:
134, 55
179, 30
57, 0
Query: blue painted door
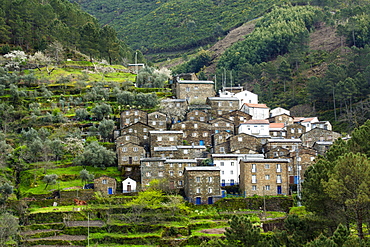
198, 200
110, 191
201, 143
210, 200
279, 189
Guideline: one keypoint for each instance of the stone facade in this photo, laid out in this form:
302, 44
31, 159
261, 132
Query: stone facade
195, 92
106, 185
140, 130
283, 118
132, 116
242, 141
197, 115
222, 105
165, 139
289, 144
294, 131
157, 120
222, 148
129, 155
127, 138
195, 132
306, 157
277, 130
220, 137
151, 168
318, 135
277, 152
237, 117
202, 184
264, 177
221, 124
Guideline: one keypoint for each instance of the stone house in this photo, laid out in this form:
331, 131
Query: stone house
222, 105
197, 115
318, 135
257, 111
294, 131
191, 152
222, 148
127, 138
322, 147
306, 121
129, 185
152, 168
277, 130
132, 116
299, 163
106, 185
264, 177
128, 156
170, 152
255, 127
244, 141
220, 137
277, 152
326, 125
166, 138
290, 144
195, 92
175, 171
202, 184
237, 117
282, 118
140, 130
221, 124
176, 108
157, 120
195, 132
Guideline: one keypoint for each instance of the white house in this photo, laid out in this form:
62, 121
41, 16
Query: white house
128, 185
243, 96
255, 127
307, 122
326, 125
229, 166
257, 111
279, 111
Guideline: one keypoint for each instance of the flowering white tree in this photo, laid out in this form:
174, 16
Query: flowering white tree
15, 59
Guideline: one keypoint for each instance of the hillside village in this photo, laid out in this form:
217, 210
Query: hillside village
203, 141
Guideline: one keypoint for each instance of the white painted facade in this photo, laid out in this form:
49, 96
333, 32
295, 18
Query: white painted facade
257, 111
279, 111
128, 185
255, 128
243, 97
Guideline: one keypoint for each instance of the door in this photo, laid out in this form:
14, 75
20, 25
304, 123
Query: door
129, 188
198, 200
172, 185
110, 191
130, 160
279, 189
210, 200
201, 143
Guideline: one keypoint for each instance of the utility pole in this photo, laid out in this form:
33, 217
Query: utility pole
298, 178
136, 68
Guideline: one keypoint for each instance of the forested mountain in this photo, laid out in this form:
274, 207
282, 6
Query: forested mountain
33, 25
172, 25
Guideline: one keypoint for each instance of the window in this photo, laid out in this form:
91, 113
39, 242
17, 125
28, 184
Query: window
222, 163
160, 164
230, 103
198, 190
267, 166
278, 168
276, 154
159, 138
177, 104
127, 113
209, 190
210, 179
196, 88
219, 104
232, 181
254, 168
197, 179
160, 174
130, 130
254, 179
180, 165
289, 168
240, 139
135, 149
292, 130
201, 118
171, 164
127, 138
194, 134
278, 179
196, 113
205, 134
216, 124
183, 126
222, 149
171, 138
124, 158
171, 173
104, 181
227, 125
136, 158
223, 182
180, 173
254, 187
186, 151
231, 172
160, 122
124, 149
222, 172
195, 126
154, 123
148, 174
136, 113
180, 183
267, 177
145, 137
232, 163
128, 169
267, 187
187, 89
147, 163
299, 130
